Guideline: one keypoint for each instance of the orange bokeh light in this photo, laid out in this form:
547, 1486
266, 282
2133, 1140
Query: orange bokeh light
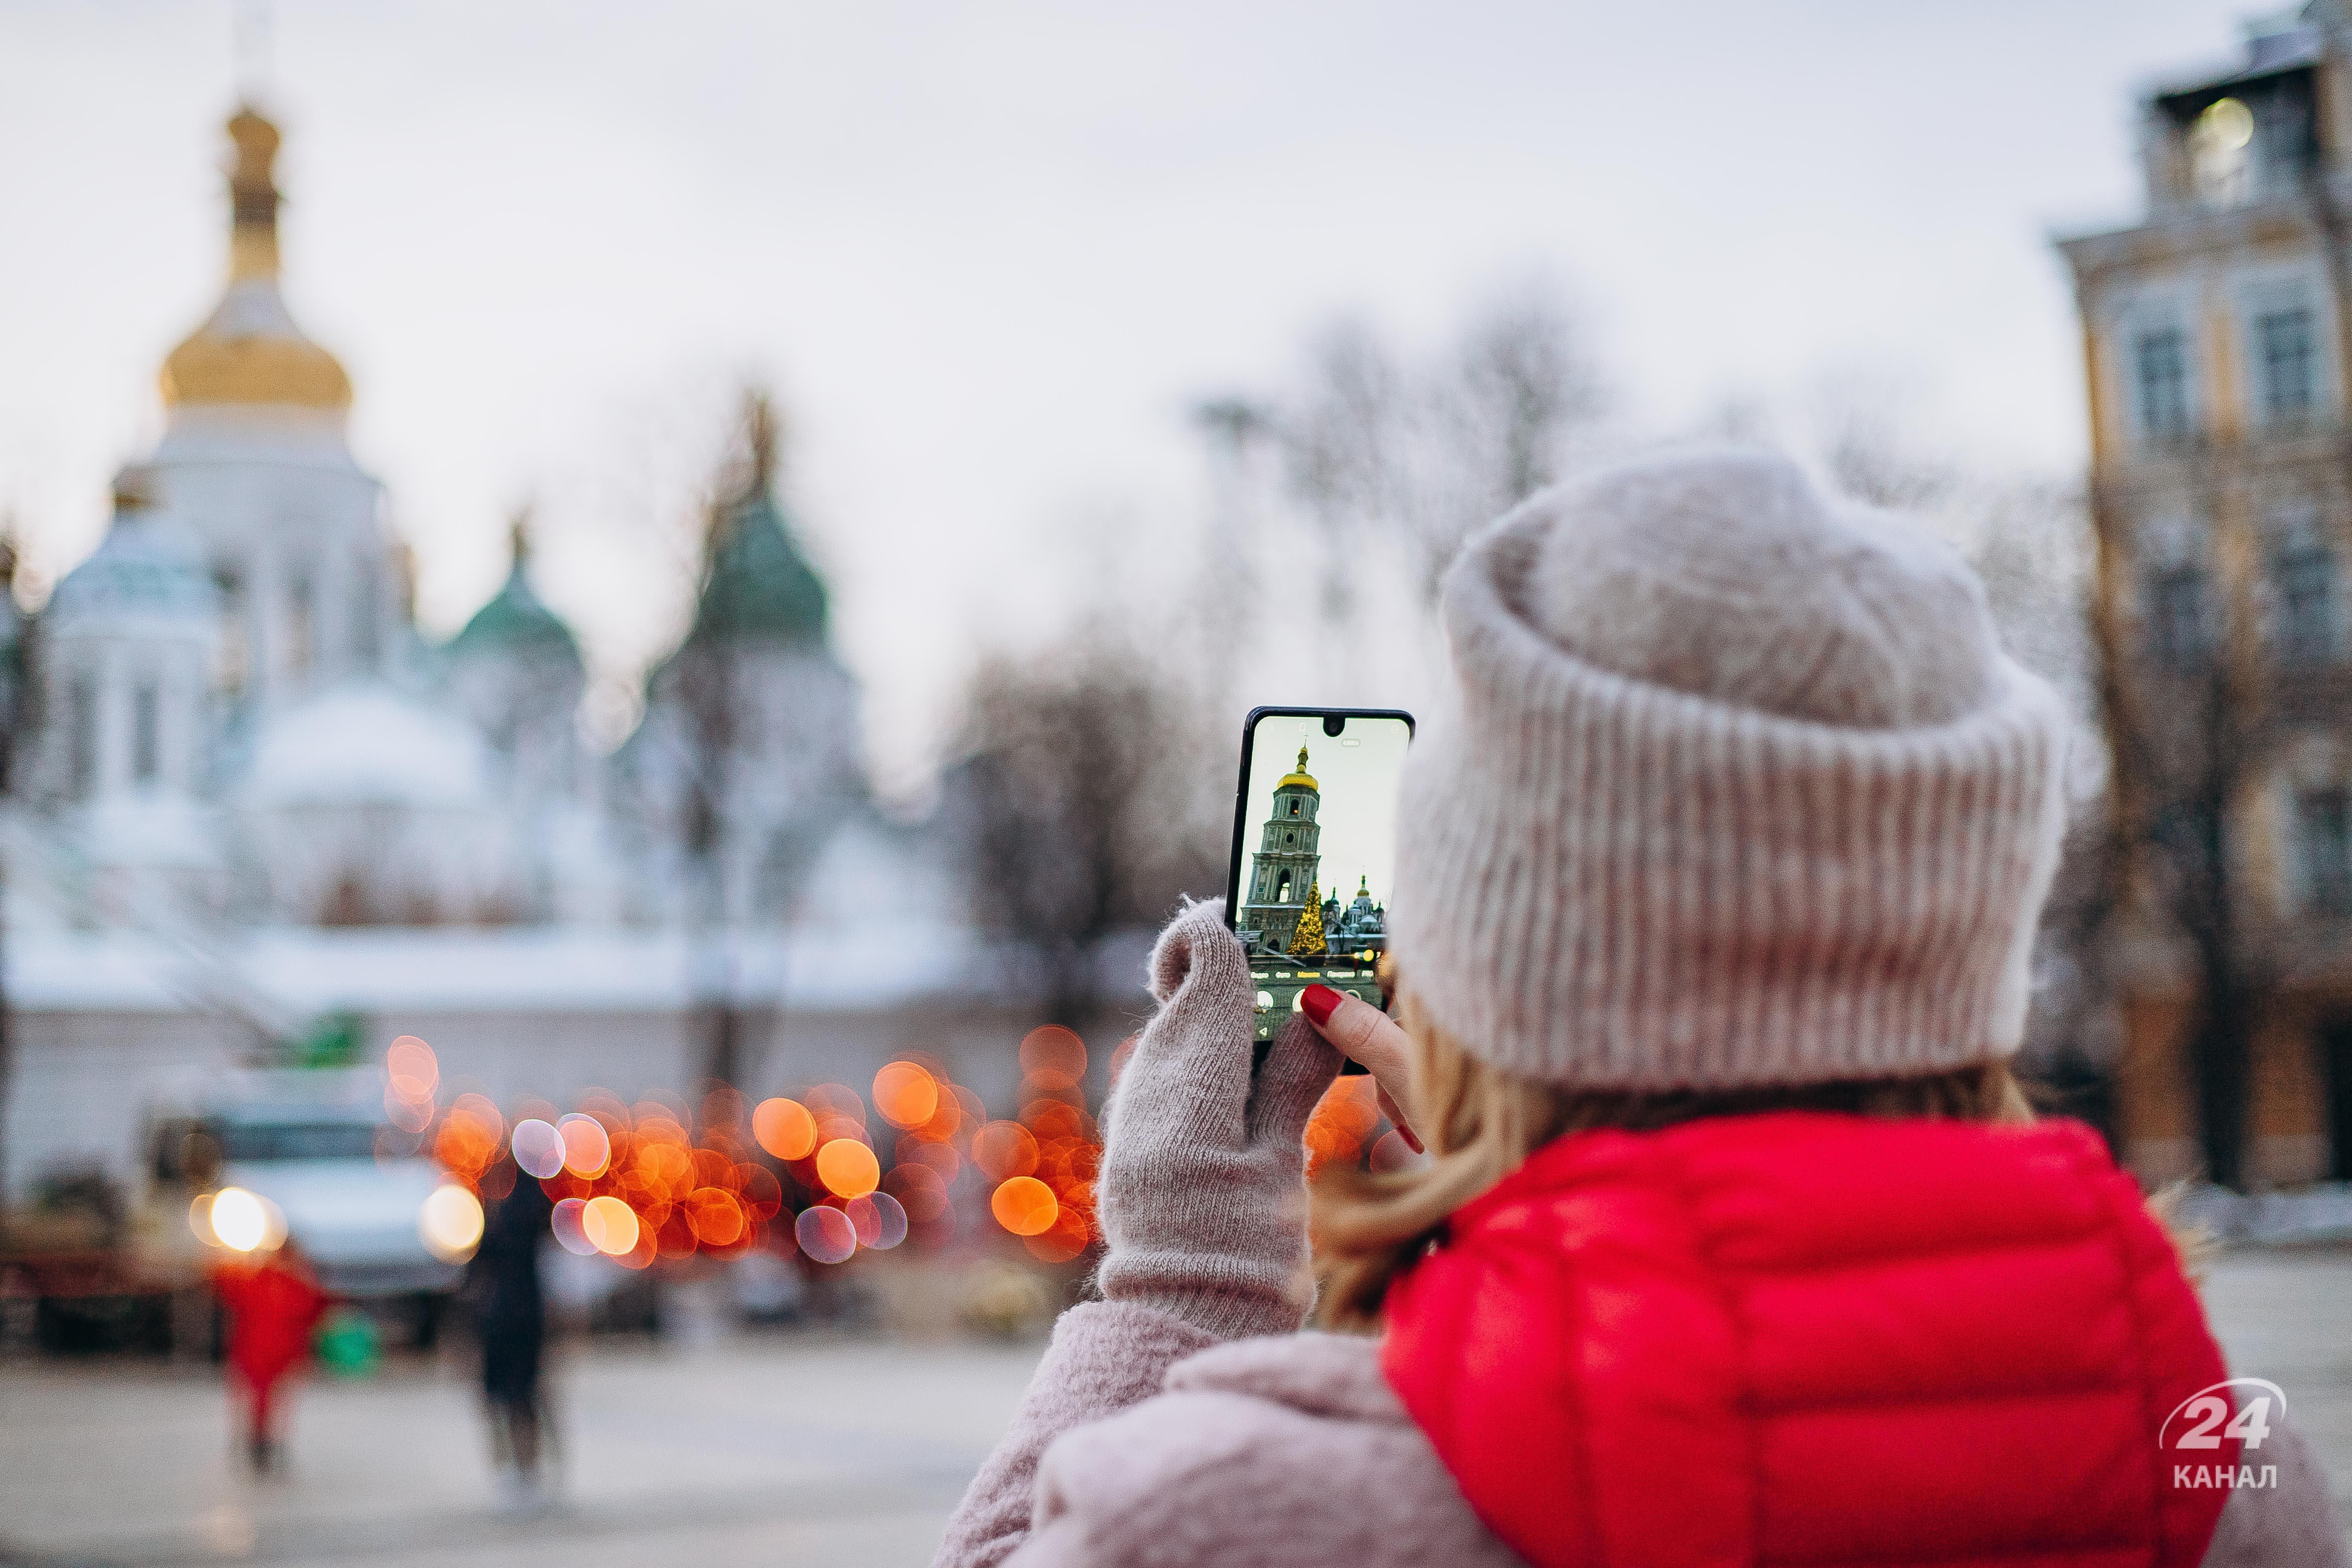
762, 1195
838, 1098
1061, 1241
918, 1191
831, 1125
715, 1217
1025, 1205
464, 1147
722, 1107
411, 1070
1343, 1120
1052, 1119
611, 1224
665, 1166
1053, 1057
605, 1106
641, 1256
906, 1095
1003, 1150
946, 1118
587, 1146
784, 1128
483, 1112
651, 1202
939, 1157
848, 1168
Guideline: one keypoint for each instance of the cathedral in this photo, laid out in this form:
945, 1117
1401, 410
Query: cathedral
245, 793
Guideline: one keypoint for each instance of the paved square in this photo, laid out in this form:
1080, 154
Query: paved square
771, 1452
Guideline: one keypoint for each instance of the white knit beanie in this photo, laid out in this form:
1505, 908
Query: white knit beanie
1737, 789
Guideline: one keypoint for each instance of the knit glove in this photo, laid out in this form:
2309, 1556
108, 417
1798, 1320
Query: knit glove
1202, 1189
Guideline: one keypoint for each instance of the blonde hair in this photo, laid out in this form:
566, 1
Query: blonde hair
1480, 1123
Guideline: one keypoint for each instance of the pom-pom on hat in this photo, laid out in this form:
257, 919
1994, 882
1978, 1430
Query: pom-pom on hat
1737, 789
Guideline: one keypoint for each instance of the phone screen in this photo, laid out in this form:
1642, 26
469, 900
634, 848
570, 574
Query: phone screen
1314, 852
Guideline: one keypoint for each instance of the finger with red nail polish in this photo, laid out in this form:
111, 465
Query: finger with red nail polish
1365, 1034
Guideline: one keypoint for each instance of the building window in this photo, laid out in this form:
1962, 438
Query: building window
1293, 808
363, 617
233, 657
2325, 820
2286, 345
301, 623
2160, 371
2179, 621
2303, 576
81, 737
146, 733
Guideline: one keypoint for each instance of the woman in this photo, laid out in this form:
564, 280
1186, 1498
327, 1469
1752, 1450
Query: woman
1715, 898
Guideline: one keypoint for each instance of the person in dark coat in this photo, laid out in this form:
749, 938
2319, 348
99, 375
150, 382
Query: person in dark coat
511, 1322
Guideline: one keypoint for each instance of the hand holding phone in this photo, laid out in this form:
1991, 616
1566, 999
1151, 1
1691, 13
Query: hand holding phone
1314, 847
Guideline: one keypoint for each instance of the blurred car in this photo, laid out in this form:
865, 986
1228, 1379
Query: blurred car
350, 1190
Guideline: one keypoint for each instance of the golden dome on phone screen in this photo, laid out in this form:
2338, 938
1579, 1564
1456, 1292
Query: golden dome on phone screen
1300, 778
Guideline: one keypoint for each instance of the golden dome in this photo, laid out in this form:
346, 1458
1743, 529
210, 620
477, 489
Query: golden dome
216, 367
1300, 777
249, 352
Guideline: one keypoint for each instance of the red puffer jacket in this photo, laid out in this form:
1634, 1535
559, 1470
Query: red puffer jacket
1813, 1338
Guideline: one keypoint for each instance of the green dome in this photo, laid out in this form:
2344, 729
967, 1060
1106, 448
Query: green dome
516, 621
760, 586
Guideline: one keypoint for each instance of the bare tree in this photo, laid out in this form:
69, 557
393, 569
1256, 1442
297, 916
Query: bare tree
747, 804
2030, 541
2194, 719
1521, 386
1347, 444
1375, 446
16, 686
1085, 803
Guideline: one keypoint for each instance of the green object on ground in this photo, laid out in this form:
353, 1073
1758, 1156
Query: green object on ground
349, 1344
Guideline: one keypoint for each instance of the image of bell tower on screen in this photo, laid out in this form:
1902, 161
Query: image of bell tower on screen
1283, 870
1299, 920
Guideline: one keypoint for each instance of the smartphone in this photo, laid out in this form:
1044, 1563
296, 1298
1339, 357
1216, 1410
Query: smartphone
1313, 851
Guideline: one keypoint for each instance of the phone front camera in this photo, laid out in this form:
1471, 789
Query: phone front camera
1334, 722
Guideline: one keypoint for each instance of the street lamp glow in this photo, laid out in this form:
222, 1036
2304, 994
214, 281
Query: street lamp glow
450, 1222
239, 1219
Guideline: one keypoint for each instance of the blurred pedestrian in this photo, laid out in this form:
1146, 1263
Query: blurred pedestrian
509, 1305
274, 1303
1715, 897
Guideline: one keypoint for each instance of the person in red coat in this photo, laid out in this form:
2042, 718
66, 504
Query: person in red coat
274, 1303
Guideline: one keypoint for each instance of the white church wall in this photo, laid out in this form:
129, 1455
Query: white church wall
82, 1081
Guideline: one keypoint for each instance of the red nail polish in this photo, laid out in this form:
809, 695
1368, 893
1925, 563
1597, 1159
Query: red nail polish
1318, 1003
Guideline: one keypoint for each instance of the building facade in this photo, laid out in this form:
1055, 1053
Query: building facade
2215, 335
248, 794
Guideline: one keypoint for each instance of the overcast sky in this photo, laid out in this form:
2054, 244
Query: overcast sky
990, 252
